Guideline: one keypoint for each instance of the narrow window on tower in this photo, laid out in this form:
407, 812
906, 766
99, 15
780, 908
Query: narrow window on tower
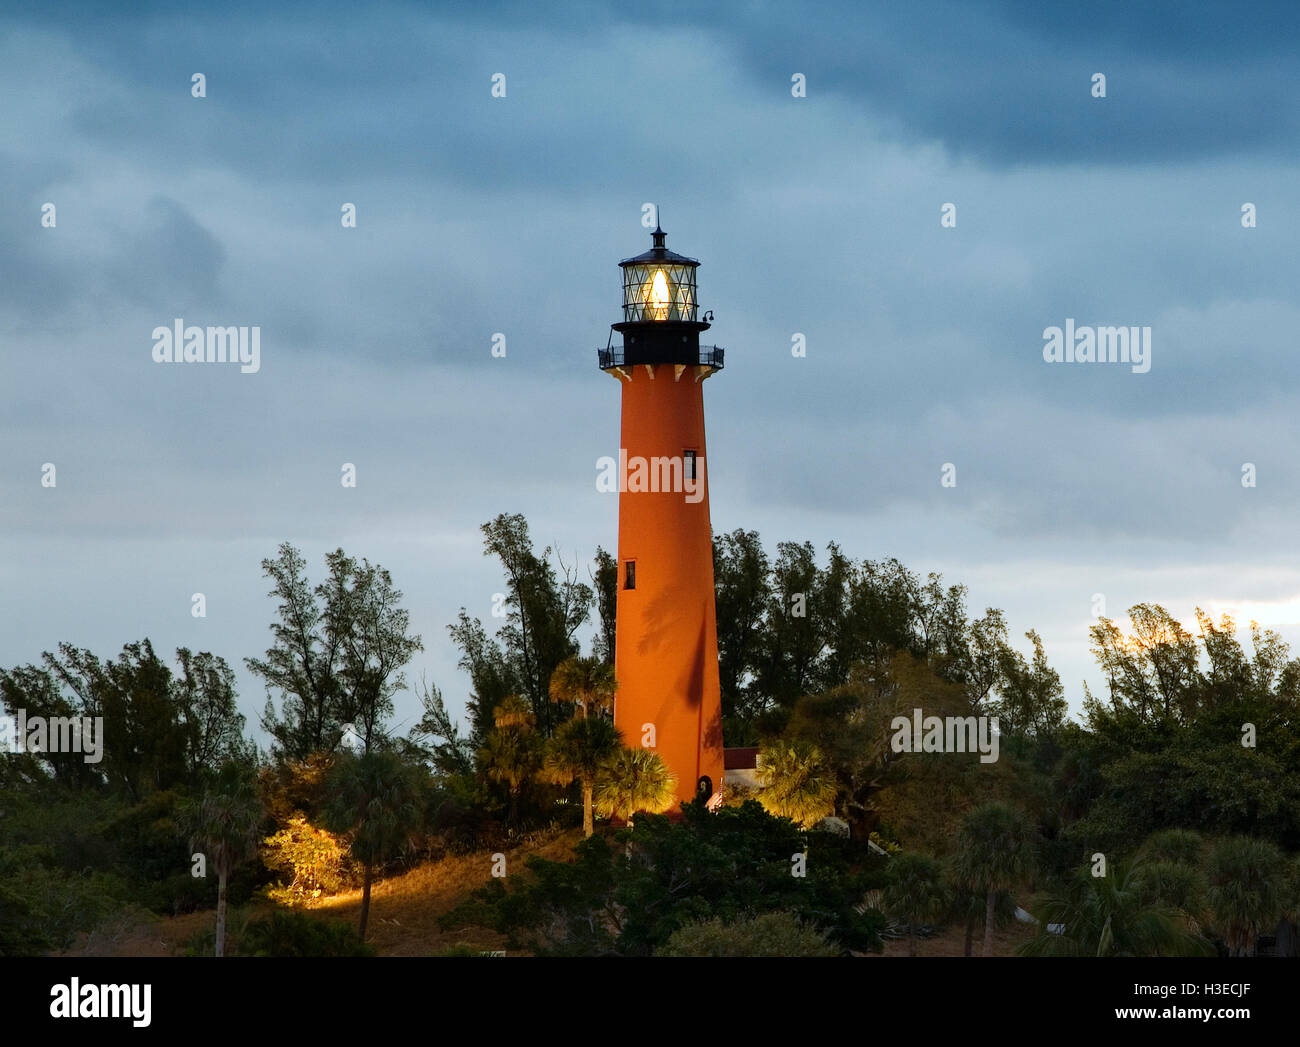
629, 574
688, 465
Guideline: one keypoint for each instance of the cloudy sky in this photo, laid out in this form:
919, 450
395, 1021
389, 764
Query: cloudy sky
817, 215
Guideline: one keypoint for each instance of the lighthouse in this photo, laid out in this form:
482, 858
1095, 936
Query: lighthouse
666, 648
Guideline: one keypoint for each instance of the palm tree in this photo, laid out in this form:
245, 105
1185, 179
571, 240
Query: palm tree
915, 892
579, 750
1113, 915
224, 828
995, 851
1176, 885
1174, 845
634, 780
586, 682
1246, 893
970, 906
513, 712
373, 798
797, 782
512, 753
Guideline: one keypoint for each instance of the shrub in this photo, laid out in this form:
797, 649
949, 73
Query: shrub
295, 934
1174, 845
1174, 884
771, 934
315, 859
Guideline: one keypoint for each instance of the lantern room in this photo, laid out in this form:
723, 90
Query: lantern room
659, 285
661, 323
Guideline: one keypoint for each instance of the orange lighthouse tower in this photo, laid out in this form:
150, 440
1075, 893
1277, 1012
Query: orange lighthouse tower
666, 647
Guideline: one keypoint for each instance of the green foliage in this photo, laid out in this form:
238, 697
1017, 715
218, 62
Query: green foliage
224, 826
375, 799
295, 934
1247, 890
732, 864
1156, 674
543, 612
587, 683
1185, 846
634, 780
1175, 885
769, 934
996, 849
742, 591
582, 749
605, 578
42, 906
337, 654
446, 749
1218, 786
315, 860
1113, 915
915, 892
797, 782
160, 731
512, 753
224, 823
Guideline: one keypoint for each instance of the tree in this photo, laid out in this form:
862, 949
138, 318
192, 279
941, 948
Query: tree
635, 780
731, 865
224, 828
302, 663
1155, 674
605, 581
995, 850
849, 725
581, 749
158, 731
1112, 915
213, 725
1247, 880
793, 638
587, 683
337, 653
1173, 845
512, 753
543, 613
1031, 700
375, 799
491, 673
450, 753
797, 782
364, 609
742, 587
915, 892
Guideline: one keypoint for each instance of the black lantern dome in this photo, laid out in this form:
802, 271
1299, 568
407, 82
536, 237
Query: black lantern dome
660, 312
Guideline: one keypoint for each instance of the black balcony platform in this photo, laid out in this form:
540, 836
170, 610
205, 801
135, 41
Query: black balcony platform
703, 356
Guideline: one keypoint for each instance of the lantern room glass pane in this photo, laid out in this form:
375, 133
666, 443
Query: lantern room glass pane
659, 292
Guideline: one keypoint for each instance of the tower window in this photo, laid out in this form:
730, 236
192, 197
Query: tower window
688, 465
629, 574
